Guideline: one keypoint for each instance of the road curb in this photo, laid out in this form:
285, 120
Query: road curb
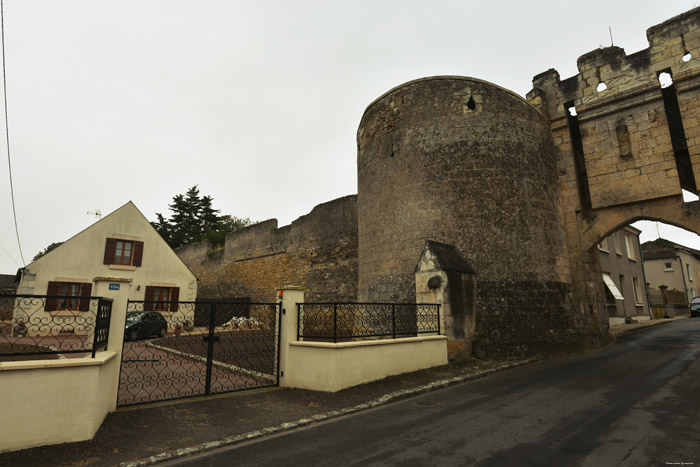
287, 426
651, 324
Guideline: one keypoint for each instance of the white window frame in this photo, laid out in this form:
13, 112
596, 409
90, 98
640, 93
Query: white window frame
616, 240
630, 247
638, 301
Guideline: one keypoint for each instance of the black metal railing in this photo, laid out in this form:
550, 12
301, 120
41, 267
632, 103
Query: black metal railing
28, 330
354, 321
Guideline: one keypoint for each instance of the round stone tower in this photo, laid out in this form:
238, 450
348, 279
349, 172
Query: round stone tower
466, 163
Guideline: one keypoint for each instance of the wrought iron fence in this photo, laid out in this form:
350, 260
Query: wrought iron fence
182, 349
68, 325
353, 321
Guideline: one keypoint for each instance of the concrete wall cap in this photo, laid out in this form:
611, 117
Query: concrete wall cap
100, 359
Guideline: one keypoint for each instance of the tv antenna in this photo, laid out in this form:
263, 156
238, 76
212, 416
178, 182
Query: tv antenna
96, 213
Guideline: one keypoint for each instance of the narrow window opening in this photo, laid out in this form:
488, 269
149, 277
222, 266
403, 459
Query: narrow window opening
623, 139
471, 104
689, 197
601, 87
674, 119
579, 158
665, 80
686, 55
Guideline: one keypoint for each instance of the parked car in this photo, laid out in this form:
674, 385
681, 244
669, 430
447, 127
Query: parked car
141, 324
695, 306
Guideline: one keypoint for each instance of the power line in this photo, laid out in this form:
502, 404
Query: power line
7, 127
9, 256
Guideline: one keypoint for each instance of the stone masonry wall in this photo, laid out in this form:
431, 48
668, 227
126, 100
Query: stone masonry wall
317, 251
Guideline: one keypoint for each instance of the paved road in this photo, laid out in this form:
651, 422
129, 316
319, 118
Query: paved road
636, 403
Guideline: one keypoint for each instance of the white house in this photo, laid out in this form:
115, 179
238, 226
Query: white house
122, 250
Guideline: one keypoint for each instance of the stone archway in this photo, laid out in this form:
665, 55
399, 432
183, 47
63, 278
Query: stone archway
671, 210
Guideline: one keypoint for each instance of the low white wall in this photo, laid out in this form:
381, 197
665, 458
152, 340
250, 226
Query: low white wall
331, 367
55, 401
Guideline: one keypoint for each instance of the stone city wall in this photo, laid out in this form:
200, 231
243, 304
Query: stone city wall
317, 251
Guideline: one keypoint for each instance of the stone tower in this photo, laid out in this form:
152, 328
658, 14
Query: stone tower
466, 163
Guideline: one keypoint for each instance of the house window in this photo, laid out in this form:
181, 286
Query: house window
161, 295
622, 284
123, 252
637, 292
668, 267
617, 244
603, 246
630, 247
612, 288
65, 296
690, 274
69, 296
162, 298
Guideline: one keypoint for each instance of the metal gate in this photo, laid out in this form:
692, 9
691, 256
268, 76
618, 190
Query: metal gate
174, 350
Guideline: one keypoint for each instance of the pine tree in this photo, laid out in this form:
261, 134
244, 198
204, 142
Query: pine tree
194, 219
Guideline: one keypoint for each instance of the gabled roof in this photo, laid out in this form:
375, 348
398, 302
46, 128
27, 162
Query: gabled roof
128, 205
662, 248
449, 258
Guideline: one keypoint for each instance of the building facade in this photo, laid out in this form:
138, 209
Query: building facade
672, 267
623, 276
120, 251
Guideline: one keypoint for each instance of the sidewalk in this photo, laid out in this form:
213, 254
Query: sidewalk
625, 328
144, 435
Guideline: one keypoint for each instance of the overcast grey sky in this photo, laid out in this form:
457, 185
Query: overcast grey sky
257, 102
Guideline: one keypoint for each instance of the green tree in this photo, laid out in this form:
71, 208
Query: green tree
194, 219
53, 246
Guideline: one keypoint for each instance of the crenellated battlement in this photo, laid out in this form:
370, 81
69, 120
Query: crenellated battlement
669, 43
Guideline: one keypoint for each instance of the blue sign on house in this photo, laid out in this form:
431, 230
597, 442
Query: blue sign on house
113, 286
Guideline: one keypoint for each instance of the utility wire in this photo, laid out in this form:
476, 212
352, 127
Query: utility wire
9, 255
7, 126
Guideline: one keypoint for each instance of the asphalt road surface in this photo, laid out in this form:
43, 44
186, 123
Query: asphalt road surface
636, 403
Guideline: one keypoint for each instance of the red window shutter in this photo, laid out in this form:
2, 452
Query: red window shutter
85, 291
150, 296
174, 297
110, 250
138, 253
52, 289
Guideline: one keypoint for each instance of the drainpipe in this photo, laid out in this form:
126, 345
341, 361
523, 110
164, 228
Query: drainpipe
685, 287
644, 276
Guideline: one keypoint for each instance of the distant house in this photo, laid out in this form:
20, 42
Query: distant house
623, 276
121, 251
8, 284
672, 268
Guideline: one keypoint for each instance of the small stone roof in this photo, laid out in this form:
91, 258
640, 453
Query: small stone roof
449, 258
